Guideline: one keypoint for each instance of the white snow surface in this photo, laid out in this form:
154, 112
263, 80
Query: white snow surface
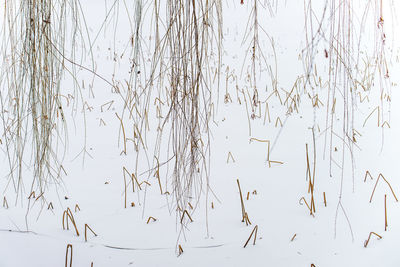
217, 235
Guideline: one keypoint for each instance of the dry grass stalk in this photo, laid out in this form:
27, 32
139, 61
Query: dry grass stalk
230, 156
187, 214
151, 218
308, 206
268, 150
180, 250
255, 229
91, 230
67, 214
69, 249
369, 237
367, 174
386, 224
5, 203
245, 217
293, 237
391, 189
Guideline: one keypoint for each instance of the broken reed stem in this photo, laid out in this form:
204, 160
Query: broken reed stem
180, 250
308, 206
91, 230
125, 170
369, 237
230, 156
67, 214
255, 229
367, 174
294, 236
157, 175
151, 218
183, 215
69, 248
324, 199
391, 189
39, 196
386, 224
77, 208
268, 151
246, 219
311, 181
5, 203
124, 191
123, 132
241, 202
32, 195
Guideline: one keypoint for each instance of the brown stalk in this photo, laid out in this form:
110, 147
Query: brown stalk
69, 248
230, 156
386, 224
157, 174
5, 203
305, 201
183, 215
180, 250
241, 201
367, 174
151, 218
67, 214
246, 219
369, 237
91, 230
294, 236
32, 195
123, 132
391, 189
255, 229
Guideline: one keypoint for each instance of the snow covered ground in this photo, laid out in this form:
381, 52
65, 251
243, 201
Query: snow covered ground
287, 234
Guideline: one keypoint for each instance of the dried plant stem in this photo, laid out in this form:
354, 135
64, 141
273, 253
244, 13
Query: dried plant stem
151, 218
187, 214
369, 237
69, 249
255, 229
91, 230
180, 250
391, 189
5, 203
293, 237
367, 174
245, 217
386, 223
67, 214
